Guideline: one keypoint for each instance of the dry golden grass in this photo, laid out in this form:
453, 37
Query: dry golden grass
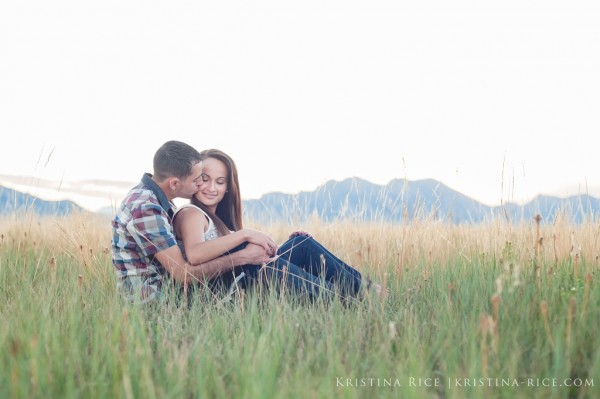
84, 238
377, 247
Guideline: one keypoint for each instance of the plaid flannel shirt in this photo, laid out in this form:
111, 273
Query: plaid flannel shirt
141, 228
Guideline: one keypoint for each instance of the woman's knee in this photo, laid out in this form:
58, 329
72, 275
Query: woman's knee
295, 244
302, 241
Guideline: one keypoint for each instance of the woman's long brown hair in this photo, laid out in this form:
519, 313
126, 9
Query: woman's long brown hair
228, 216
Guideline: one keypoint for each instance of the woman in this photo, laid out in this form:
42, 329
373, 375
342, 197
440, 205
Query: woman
212, 225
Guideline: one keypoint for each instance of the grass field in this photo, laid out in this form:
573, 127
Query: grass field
490, 311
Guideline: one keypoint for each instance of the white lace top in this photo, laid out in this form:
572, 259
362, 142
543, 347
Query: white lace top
211, 233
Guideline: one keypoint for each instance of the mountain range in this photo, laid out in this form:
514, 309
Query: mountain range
16, 202
360, 200
399, 200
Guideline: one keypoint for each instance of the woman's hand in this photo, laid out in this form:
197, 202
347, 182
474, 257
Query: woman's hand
261, 239
300, 233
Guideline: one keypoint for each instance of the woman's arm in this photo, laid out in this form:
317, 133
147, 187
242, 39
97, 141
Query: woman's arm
190, 225
250, 255
186, 273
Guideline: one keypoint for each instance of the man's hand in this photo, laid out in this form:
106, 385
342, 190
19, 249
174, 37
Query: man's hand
255, 255
261, 239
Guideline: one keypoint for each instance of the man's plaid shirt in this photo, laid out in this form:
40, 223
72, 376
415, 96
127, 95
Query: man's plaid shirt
141, 228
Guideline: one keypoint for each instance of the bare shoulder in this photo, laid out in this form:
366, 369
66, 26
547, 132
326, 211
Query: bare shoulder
190, 217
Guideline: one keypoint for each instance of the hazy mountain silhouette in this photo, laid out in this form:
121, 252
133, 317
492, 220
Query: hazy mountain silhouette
399, 200
578, 208
360, 200
12, 201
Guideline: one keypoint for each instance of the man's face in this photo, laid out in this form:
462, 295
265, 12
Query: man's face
189, 186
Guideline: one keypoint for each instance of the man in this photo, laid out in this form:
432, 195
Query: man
145, 251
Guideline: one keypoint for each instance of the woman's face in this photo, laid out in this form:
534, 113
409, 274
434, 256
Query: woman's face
213, 183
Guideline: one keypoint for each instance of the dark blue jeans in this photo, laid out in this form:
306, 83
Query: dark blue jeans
304, 267
312, 257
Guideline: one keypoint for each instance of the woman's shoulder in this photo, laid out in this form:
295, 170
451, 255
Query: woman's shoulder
189, 207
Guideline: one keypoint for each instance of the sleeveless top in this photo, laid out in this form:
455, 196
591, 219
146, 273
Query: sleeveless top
211, 232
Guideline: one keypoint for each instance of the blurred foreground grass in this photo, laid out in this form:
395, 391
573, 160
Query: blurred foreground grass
490, 311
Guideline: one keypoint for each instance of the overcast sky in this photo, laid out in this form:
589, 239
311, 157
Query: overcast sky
497, 99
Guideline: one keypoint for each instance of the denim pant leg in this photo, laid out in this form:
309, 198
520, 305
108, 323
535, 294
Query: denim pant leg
280, 276
242, 276
223, 282
285, 276
306, 252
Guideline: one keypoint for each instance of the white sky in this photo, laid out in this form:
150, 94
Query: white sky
499, 100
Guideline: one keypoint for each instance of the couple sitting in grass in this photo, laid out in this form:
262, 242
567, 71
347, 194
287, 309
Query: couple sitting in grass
204, 242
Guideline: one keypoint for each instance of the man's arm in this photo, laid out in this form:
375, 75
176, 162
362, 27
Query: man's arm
185, 273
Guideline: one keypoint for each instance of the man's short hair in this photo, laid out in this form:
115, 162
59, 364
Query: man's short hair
174, 159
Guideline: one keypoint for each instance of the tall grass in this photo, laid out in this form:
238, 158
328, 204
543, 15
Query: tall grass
472, 309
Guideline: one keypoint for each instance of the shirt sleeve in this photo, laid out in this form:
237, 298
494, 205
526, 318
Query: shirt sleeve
151, 229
